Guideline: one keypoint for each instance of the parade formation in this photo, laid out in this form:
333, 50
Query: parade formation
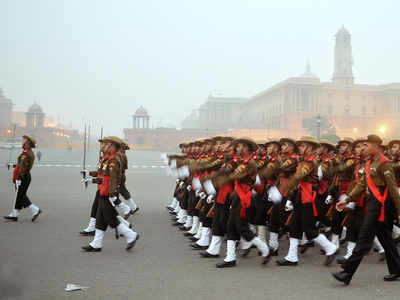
110, 179
253, 193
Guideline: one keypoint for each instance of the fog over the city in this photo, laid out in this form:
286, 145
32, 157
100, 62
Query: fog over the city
100, 60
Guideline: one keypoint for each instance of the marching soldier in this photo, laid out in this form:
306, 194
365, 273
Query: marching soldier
383, 208
22, 180
303, 219
108, 191
243, 179
123, 191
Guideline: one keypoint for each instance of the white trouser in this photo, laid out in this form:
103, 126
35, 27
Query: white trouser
128, 233
325, 244
273, 240
14, 213
378, 246
34, 209
183, 217
195, 225
261, 246
292, 255
125, 208
230, 251
205, 237
199, 230
98, 239
350, 248
189, 222
262, 233
91, 225
131, 203
215, 245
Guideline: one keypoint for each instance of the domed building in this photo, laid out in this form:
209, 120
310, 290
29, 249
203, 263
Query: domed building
141, 118
35, 116
5, 111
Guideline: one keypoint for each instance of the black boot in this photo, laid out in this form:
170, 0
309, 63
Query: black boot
37, 215
87, 233
391, 277
131, 244
14, 219
284, 262
330, 258
342, 277
205, 254
90, 249
225, 264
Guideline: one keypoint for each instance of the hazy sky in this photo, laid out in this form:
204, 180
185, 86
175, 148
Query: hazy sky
102, 59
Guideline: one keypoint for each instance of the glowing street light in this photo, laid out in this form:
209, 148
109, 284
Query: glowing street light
383, 129
355, 130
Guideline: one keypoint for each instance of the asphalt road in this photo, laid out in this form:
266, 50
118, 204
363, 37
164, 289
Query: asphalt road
37, 260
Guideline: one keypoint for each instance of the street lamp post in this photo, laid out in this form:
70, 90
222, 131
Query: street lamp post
318, 126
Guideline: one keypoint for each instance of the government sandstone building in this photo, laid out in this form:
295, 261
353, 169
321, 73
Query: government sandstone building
285, 109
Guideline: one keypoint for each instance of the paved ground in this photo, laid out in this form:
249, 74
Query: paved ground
38, 260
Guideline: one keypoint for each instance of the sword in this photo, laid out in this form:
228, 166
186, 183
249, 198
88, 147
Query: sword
83, 172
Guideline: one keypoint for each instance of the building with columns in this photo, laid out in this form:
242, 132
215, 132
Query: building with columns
141, 119
34, 117
6, 106
351, 109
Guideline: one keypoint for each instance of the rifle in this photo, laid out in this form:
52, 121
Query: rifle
210, 213
101, 137
83, 172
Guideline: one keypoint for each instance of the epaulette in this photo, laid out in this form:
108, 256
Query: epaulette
274, 159
255, 157
264, 158
235, 159
326, 160
294, 156
221, 156
245, 161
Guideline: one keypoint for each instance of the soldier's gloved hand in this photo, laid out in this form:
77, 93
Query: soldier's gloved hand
351, 205
181, 185
88, 180
274, 195
17, 183
210, 199
164, 158
189, 188
196, 184
320, 173
183, 172
258, 180
328, 200
178, 180
209, 187
342, 197
197, 193
112, 200
203, 195
289, 206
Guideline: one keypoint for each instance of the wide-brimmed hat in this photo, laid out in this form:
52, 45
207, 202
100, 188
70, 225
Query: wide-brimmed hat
273, 141
248, 141
331, 146
308, 139
261, 142
358, 140
394, 141
347, 140
31, 140
113, 139
373, 138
